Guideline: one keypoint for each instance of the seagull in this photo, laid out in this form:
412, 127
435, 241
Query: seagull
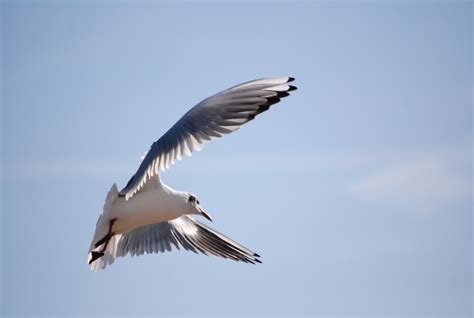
147, 216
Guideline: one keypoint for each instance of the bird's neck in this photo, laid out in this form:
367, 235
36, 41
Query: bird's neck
180, 198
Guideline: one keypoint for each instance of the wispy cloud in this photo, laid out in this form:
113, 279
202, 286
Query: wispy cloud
422, 180
288, 162
68, 168
408, 178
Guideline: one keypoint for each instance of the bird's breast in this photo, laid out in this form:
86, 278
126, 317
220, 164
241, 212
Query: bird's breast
143, 209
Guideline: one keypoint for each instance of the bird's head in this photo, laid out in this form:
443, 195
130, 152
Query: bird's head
195, 206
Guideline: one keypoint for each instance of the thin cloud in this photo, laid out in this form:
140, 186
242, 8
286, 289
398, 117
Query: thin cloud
73, 168
405, 178
419, 182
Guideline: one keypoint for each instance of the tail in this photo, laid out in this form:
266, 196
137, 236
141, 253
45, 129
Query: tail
98, 258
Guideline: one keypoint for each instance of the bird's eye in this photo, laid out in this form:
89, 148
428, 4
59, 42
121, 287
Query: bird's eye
198, 202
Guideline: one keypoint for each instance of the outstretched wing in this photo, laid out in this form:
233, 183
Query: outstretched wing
184, 232
212, 118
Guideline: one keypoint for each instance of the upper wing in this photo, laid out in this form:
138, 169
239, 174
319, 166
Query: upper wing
212, 118
183, 232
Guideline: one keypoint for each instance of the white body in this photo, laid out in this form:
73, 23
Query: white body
159, 203
156, 203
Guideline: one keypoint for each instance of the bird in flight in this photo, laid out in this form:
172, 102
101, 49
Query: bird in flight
147, 216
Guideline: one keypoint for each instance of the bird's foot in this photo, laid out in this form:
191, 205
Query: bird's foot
95, 255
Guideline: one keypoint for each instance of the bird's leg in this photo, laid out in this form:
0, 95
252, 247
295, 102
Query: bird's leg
107, 237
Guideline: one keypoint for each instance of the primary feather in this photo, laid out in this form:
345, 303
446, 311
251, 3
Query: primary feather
212, 118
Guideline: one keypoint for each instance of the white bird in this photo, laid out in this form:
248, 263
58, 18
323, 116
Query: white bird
148, 216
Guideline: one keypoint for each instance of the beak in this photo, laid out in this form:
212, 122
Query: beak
204, 214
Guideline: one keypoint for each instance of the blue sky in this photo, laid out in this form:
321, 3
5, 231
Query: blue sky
356, 190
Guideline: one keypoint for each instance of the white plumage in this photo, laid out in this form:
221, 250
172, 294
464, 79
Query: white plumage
147, 216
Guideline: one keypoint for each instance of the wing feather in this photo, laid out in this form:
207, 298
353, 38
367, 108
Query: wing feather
212, 118
184, 232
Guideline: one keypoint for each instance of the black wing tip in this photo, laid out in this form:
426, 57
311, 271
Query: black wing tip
290, 79
292, 88
255, 258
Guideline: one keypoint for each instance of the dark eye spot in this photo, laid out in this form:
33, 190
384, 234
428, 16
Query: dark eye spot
198, 202
191, 198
